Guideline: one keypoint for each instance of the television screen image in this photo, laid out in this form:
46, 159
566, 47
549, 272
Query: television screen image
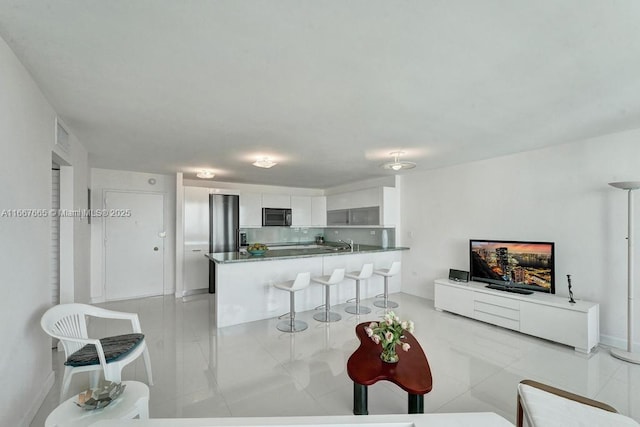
524, 265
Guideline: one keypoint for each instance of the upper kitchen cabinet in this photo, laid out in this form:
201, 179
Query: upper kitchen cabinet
250, 210
319, 211
308, 211
368, 207
354, 199
300, 211
276, 201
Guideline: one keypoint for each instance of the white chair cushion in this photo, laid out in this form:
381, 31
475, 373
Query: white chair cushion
355, 275
323, 280
543, 409
383, 272
285, 286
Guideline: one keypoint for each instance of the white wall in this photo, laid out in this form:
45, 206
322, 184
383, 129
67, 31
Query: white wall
558, 194
106, 179
27, 124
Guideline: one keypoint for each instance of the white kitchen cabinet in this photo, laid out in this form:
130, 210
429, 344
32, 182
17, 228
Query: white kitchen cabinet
319, 211
300, 211
196, 215
250, 210
195, 271
354, 199
359, 205
195, 274
276, 201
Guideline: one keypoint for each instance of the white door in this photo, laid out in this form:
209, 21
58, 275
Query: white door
134, 244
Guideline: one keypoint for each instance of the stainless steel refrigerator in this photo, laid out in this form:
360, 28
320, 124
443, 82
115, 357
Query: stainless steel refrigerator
224, 228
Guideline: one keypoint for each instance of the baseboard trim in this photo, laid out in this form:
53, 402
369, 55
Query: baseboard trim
37, 402
616, 342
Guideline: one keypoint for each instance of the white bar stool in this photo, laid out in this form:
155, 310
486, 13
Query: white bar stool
336, 277
363, 274
292, 286
386, 273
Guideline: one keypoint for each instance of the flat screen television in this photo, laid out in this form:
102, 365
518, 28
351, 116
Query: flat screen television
514, 264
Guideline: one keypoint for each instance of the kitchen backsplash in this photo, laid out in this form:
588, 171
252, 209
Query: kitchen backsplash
363, 236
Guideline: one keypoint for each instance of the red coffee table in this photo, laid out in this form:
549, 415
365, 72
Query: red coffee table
411, 373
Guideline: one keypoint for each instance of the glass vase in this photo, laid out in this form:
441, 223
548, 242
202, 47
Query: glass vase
389, 354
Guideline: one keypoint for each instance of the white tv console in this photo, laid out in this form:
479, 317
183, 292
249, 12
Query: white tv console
541, 315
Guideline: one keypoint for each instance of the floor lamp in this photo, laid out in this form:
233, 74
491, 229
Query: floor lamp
628, 355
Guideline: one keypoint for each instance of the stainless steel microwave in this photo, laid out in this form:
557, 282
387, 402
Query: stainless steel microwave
276, 217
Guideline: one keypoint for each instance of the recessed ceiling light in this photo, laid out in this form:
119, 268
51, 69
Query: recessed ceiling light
264, 162
396, 165
205, 174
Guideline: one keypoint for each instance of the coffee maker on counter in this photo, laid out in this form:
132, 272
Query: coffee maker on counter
319, 239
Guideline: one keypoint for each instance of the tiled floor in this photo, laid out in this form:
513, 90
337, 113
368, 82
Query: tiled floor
255, 370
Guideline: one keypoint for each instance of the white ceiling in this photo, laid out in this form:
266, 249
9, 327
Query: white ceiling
327, 88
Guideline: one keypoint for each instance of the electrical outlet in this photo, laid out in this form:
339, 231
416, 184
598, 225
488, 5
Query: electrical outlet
335, 231
373, 232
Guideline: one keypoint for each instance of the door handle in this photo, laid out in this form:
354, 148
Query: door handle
196, 250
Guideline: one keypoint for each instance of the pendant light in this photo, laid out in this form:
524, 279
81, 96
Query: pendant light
205, 174
264, 162
397, 165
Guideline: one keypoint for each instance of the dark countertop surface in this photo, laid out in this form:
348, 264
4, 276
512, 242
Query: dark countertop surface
314, 251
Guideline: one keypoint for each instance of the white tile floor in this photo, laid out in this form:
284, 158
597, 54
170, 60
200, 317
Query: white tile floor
255, 370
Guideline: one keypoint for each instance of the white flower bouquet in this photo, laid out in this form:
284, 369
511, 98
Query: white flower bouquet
389, 333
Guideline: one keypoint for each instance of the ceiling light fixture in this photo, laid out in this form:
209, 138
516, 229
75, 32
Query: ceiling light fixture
264, 162
396, 165
205, 174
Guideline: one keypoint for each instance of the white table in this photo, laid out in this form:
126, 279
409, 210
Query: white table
478, 419
134, 402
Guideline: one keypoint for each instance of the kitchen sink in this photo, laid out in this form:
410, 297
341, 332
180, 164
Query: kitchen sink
336, 248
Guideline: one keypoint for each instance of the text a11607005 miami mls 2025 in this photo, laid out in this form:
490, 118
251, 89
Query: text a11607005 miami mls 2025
74, 213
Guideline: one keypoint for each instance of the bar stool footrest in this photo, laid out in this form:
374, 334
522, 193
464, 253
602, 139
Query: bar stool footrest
389, 304
327, 316
354, 309
286, 326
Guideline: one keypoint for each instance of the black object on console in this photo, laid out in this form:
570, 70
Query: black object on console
458, 275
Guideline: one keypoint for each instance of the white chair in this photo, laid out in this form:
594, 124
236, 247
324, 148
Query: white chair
301, 281
68, 323
327, 281
542, 405
363, 274
386, 273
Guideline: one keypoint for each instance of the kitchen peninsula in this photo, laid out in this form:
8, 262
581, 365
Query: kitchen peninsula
244, 283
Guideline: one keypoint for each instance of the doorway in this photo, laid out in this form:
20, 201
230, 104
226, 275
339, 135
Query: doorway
55, 234
133, 244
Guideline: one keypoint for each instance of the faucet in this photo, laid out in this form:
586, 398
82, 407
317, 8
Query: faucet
349, 245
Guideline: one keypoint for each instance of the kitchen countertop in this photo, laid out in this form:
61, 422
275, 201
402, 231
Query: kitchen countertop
278, 254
